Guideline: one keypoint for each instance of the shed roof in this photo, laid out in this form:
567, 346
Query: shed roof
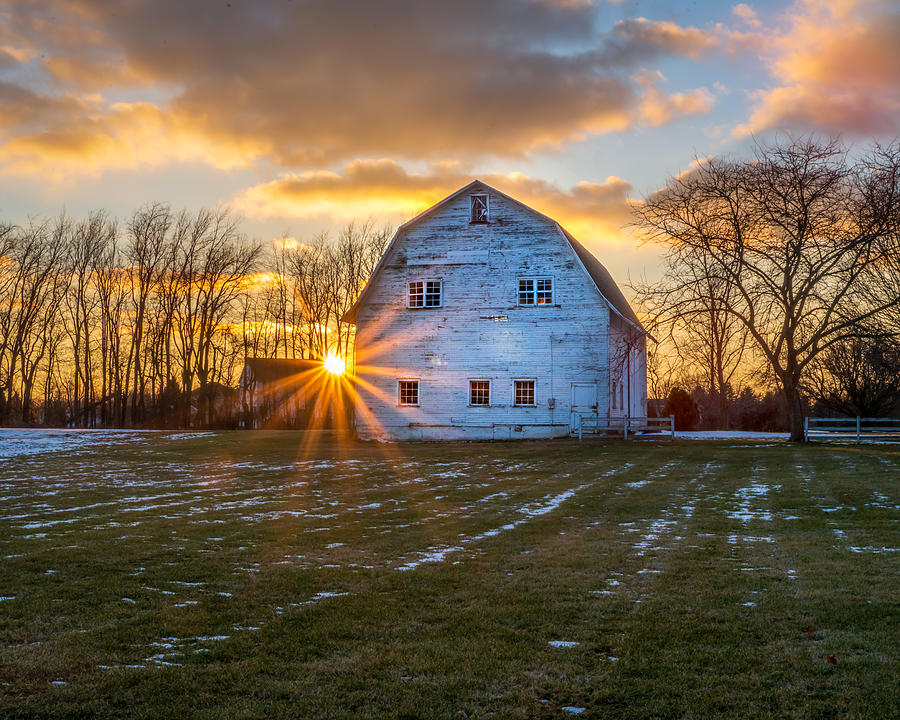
266, 370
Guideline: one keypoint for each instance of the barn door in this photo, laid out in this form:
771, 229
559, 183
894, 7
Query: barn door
584, 402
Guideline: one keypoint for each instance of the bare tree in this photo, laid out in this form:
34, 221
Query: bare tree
30, 293
692, 319
147, 231
858, 377
795, 231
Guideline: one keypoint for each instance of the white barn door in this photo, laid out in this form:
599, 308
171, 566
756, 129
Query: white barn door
584, 402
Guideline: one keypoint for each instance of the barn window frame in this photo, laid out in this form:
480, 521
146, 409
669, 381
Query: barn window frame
483, 400
529, 386
425, 294
479, 209
535, 290
409, 396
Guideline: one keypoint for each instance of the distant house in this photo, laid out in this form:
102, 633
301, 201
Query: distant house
291, 393
485, 319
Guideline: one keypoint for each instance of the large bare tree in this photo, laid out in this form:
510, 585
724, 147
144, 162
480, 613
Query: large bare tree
689, 316
796, 232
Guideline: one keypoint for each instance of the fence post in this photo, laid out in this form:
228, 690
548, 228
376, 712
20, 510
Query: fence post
857, 429
579, 428
672, 425
626, 426
806, 429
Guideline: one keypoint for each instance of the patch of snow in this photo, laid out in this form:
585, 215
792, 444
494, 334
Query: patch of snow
323, 595
573, 710
563, 643
755, 491
637, 483
729, 435
547, 505
874, 550
734, 539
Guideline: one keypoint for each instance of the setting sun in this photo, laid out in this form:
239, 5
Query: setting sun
334, 364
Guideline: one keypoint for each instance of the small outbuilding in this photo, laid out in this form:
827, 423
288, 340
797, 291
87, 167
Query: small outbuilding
291, 393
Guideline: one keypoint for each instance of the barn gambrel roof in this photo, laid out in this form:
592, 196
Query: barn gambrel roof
607, 288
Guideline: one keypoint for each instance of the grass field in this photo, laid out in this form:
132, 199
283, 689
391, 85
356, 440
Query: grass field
235, 575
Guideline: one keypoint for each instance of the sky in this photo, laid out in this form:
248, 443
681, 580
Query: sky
305, 114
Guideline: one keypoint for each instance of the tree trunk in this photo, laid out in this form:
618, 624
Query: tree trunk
795, 408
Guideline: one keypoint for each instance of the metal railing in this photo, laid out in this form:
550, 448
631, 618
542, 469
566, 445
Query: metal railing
857, 429
625, 426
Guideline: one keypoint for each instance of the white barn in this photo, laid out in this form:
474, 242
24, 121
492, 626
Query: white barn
485, 319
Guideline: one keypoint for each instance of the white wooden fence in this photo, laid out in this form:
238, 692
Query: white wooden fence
858, 429
625, 426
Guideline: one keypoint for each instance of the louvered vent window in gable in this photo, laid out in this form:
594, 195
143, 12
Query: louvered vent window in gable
480, 208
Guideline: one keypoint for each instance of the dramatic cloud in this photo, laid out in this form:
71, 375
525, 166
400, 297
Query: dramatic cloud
304, 84
747, 14
657, 108
595, 211
838, 65
643, 34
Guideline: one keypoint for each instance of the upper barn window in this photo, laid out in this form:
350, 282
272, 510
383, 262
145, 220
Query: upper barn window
425, 294
536, 291
480, 208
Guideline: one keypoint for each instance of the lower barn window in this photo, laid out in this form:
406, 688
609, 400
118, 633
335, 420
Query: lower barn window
409, 392
479, 392
524, 392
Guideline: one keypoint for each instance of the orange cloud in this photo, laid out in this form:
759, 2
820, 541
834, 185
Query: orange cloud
595, 210
123, 135
656, 108
838, 65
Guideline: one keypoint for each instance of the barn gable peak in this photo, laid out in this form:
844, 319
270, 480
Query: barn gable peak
607, 288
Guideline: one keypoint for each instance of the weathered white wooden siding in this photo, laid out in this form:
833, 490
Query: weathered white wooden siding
628, 367
480, 332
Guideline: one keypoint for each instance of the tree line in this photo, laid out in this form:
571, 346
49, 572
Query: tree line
781, 270
146, 322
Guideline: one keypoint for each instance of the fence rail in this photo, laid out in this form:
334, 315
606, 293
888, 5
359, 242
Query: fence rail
625, 426
858, 429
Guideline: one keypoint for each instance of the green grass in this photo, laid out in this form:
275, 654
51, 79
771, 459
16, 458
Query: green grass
129, 558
